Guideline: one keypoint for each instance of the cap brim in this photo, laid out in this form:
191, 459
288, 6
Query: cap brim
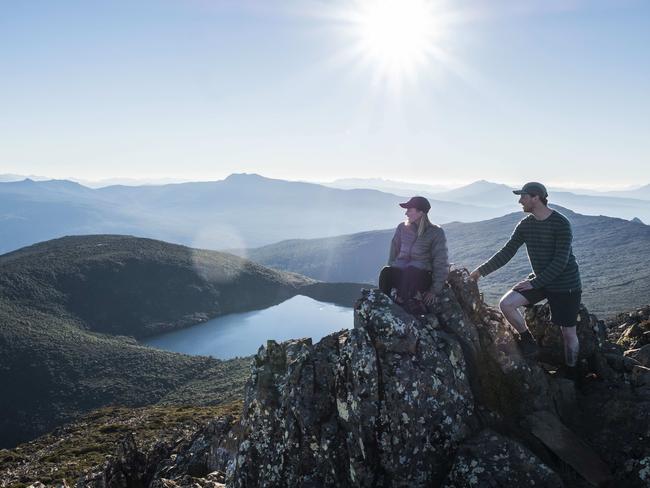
404, 205
520, 192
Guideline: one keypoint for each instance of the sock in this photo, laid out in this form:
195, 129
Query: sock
571, 354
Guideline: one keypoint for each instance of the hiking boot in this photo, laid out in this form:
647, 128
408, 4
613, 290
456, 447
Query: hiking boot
527, 345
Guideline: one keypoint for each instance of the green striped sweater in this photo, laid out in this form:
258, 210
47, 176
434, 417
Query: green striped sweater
548, 243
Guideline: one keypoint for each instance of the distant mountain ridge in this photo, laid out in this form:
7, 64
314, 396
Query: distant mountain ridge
643, 193
492, 194
609, 250
240, 211
391, 186
625, 204
248, 210
7, 177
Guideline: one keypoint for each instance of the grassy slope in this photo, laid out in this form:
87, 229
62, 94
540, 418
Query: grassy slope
71, 450
53, 371
137, 287
66, 307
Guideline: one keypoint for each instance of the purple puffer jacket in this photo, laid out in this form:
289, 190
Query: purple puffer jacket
429, 251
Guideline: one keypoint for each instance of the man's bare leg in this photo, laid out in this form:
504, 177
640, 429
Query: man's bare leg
571, 345
509, 305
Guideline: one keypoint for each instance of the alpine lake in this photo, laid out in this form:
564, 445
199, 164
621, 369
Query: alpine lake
241, 334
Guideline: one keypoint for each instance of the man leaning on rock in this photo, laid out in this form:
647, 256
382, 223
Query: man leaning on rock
547, 235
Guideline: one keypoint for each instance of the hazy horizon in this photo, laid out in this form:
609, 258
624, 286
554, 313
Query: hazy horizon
130, 181
413, 90
443, 185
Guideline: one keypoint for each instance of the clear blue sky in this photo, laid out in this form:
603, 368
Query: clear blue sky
557, 91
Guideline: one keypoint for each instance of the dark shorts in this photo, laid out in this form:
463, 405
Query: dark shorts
565, 305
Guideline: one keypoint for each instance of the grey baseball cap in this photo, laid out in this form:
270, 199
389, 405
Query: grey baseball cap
532, 188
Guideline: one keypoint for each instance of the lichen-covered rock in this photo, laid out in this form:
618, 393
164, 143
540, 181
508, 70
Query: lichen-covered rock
504, 382
616, 421
289, 416
389, 402
591, 334
127, 468
194, 460
212, 480
631, 330
620, 362
642, 355
426, 402
384, 404
490, 460
208, 451
640, 376
38, 484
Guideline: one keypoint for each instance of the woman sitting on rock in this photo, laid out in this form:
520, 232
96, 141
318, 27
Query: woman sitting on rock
417, 264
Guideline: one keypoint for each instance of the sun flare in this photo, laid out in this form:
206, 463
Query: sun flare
398, 38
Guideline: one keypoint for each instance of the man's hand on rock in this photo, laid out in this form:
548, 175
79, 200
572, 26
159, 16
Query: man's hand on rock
475, 275
428, 298
523, 286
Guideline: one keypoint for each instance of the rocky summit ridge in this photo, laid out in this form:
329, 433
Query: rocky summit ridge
443, 399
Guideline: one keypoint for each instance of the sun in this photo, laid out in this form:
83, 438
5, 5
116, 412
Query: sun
398, 38
396, 33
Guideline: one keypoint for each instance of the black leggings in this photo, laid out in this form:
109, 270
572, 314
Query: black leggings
408, 281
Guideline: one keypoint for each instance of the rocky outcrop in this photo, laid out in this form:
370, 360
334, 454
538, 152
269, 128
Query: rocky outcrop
197, 461
641, 355
386, 403
631, 330
443, 399
397, 399
490, 459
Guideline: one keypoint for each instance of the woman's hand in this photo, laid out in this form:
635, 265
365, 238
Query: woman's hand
428, 298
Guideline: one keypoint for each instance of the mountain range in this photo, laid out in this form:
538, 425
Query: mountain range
240, 211
614, 204
399, 187
612, 253
244, 211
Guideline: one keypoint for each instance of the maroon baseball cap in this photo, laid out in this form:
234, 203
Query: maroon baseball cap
419, 203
